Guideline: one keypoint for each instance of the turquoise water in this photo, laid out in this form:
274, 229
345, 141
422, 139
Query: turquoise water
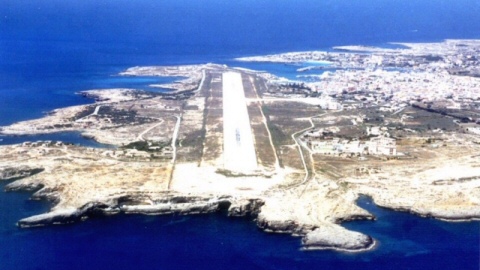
51, 49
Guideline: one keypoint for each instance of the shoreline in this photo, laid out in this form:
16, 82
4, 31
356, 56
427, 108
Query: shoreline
68, 216
164, 140
372, 247
91, 210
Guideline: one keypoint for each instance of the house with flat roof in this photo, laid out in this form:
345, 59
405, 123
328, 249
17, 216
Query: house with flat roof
382, 146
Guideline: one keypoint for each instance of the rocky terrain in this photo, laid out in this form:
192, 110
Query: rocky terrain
83, 183
168, 159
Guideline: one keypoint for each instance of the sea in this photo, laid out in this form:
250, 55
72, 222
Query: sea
51, 49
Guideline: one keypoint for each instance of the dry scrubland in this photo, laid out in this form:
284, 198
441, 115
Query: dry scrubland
170, 157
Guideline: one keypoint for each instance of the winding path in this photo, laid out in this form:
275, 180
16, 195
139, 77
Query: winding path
307, 173
140, 136
95, 112
300, 149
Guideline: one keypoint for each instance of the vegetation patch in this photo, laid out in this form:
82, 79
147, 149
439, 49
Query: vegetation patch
147, 146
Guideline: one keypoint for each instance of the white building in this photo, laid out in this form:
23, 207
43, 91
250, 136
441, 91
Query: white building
376, 146
474, 130
335, 147
329, 147
353, 147
382, 146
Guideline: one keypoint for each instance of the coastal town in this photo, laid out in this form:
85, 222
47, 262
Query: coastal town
400, 125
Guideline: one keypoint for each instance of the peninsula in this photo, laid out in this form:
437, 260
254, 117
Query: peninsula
399, 125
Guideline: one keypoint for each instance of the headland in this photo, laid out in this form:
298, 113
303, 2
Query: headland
398, 125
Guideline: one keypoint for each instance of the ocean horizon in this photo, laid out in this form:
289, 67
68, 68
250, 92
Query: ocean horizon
50, 50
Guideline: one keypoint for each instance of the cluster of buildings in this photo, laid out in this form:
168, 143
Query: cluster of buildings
329, 104
392, 89
399, 87
323, 141
43, 143
422, 72
375, 146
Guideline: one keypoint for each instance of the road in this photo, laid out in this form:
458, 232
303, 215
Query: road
201, 82
277, 161
140, 136
174, 138
300, 150
95, 112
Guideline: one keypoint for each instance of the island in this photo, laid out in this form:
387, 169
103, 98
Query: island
400, 125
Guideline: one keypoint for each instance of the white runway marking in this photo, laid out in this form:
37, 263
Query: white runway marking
238, 147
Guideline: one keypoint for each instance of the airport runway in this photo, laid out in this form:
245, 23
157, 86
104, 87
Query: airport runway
238, 145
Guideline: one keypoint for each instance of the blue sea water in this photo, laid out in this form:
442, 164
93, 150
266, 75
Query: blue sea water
51, 49
66, 137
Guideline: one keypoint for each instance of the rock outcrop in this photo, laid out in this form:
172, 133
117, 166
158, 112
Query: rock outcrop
336, 237
13, 173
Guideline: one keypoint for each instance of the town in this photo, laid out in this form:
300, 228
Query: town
400, 125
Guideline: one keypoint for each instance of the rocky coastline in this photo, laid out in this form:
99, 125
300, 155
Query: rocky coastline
444, 215
313, 238
169, 159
